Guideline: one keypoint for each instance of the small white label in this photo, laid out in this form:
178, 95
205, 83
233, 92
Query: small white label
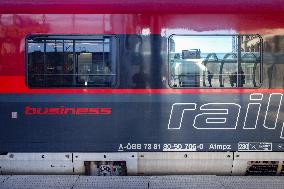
14, 115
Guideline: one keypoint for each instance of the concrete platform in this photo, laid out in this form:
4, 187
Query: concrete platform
189, 182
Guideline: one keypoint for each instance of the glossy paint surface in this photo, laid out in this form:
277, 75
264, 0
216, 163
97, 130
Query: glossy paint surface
15, 27
141, 6
138, 115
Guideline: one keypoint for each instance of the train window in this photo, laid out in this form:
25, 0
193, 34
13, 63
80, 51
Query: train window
215, 61
35, 62
59, 62
71, 61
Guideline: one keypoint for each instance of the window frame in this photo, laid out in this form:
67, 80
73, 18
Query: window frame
217, 35
72, 37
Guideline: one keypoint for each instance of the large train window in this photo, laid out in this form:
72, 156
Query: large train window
71, 61
215, 61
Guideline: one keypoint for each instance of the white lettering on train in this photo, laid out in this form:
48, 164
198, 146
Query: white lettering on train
226, 115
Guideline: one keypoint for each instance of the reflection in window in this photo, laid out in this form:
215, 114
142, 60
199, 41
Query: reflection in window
73, 62
94, 62
215, 61
36, 63
59, 62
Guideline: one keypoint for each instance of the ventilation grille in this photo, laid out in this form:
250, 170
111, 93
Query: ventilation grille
262, 168
106, 168
282, 169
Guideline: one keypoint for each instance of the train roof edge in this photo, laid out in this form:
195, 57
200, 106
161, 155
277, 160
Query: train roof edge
139, 6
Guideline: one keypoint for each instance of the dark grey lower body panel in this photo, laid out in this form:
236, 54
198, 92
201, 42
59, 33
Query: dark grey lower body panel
141, 122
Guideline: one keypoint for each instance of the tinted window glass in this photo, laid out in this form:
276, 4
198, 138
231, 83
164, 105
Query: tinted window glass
59, 62
215, 61
36, 63
95, 65
71, 61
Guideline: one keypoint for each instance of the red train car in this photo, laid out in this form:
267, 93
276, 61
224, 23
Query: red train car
147, 87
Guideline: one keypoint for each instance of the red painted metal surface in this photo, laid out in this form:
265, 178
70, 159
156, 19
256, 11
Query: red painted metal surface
262, 17
140, 6
16, 85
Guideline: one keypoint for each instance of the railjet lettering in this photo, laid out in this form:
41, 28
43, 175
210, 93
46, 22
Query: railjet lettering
65, 111
226, 115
